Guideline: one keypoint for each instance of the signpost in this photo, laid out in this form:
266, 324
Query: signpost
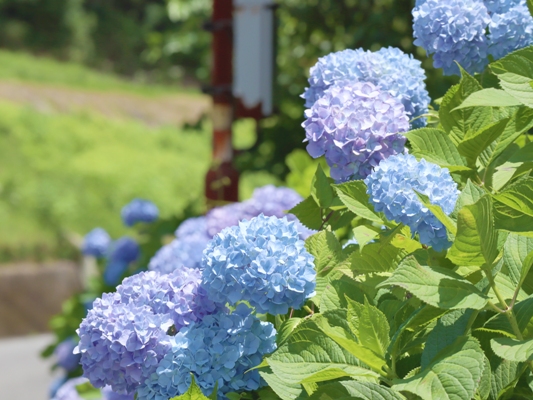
241, 82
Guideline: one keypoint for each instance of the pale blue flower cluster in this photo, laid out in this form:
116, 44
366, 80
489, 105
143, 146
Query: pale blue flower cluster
186, 250
64, 355
139, 210
356, 126
68, 390
389, 69
262, 261
453, 30
392, 188
219, 350
96, 243
124, 335
121, 253
456, 31
222, 217
108, 394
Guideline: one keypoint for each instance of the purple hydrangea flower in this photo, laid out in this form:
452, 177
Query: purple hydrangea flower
196, 226
139, 210
390, 69
121, 253
453, 30
68, 390
356, 126
261, 261
392, 188
225, 216
221, 349
64, 355
124, 335
108, 394
501, 6
96, 243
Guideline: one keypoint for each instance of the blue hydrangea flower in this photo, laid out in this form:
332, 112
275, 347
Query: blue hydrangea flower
510, 29
356, 126
56, 385
96, 243
453, 30
108, 394
219, 350
139, 210
68, 390
225, 216
261, 261
390, 69
392, 188
124, 335
121, 253
501, 6
64, 355
192, 226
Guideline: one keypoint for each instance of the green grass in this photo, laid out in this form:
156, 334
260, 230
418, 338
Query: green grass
16, 66
69, 173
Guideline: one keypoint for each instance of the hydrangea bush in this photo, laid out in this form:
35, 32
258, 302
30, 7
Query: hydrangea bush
416, 282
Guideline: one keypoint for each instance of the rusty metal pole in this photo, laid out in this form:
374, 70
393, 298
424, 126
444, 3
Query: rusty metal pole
222, 179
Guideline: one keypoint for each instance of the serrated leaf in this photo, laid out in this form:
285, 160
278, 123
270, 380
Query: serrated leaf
435, 146
515, 72
513, 349
286, 391
438, 212
193, 393
321, 189
330, 374
333, 294
449, 327
484, 387
503, 377
469, 195
353, 195
371, 327
476, 239
364, 235
376, 257
455, 373
519, 197
286, 328
458, 123
310, 351
436, 286
326, 250
309, 213
349, 390
474, 142
489, 98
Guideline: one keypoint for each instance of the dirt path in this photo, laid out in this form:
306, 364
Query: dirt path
155, 111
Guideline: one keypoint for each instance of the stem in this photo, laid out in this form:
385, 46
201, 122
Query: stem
495, 308
502, 301
325, 220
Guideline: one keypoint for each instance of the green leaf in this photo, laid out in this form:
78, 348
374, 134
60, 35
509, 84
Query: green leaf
371, 326
436, 286
474, 142
309, 351
530, 6
350, 390
449, 327
516, 251
376, 257
513, 349
309, 213
470, 195
484, 387
523, 312
519, 197
353, 195
321, 189
193, 393
435, 146
476, 239
504, 377
515, 72
364, 235
326, 250
455, 373
489, 98
458, 123
286, 329
333, 293
285, 390
437, 212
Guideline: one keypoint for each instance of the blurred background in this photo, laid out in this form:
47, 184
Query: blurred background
101, 102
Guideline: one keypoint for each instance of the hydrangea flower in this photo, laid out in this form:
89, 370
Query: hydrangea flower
511, 28
390, 69
64, 355
356, 126
222, 217
96, 243
108, 394
121, 253
261, 261
392, 188
219, 350
453, 30
68, 390
124, 335
139, 210
501, 6
192, 227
